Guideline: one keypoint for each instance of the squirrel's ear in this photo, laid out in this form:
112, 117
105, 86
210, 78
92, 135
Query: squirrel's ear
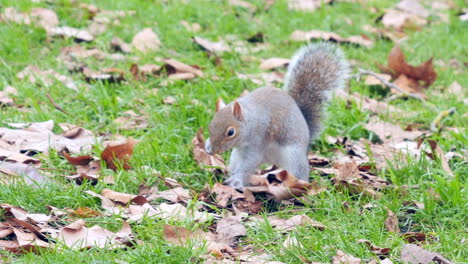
237, 111
220, 104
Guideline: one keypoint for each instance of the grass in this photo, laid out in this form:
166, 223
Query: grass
166, 144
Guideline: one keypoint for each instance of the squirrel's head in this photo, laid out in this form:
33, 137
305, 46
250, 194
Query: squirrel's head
225, 128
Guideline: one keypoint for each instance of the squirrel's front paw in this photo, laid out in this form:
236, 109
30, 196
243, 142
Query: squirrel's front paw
235, 183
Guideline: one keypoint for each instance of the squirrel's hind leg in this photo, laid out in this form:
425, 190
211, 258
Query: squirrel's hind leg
294, 160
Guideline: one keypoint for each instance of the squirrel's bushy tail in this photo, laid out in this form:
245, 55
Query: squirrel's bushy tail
313, 73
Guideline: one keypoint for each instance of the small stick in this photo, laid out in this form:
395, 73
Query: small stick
389, 84
436, 124
58, 107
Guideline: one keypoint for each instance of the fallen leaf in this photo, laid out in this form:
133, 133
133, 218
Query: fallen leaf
120, 46
175, 195
45, 18
416, 237
376, 250
410, 76
119, 154
389, 133
391, 223
224, 194
179, 212
169, 100
268, 79
77, 236
274, 63
211, 162
10, 14
111, 75
47, 77
192, 27
146, 41
212, 47
69, 32
85, 212
229, 229
10, 172
306, 5
300, 35
123, 198
172, 67
372, 80
342, 258
131, 120
38, 137
454, 88
287, 225
416, 255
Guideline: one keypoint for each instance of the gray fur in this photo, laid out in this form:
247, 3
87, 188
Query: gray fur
276, 126
314, 72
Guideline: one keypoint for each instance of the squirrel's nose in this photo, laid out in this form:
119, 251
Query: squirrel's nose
208, 146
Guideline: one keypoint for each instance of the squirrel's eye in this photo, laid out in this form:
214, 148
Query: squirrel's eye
231, 132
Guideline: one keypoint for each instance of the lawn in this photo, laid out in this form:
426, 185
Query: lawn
165, 141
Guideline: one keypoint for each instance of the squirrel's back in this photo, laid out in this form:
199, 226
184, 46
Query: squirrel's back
313, 73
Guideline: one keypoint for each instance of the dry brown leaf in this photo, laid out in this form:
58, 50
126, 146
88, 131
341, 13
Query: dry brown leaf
78, 35
146, 41
372, 80
419, 77
267, 79
85, 212
192, 27
281, 185
37, 76
376, 250
77, 236
306, 5
361, 40
5, 99
454, 88
38, 137
179, 212
389, 133
111, 75
119, 45
216, 48
229, 229
45, 18
391, 223
273, 63
437, 154
10, 172
172, 67
175, 195
342, 258
416, 255
169, 100
10, 14
211, 162
131, 120
123, 198
119, 154
287, 225
416, 237
224, 194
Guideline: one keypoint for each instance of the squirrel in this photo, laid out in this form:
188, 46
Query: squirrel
276, 126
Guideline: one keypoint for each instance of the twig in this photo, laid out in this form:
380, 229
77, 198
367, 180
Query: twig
58, 107
436, 124
390, 85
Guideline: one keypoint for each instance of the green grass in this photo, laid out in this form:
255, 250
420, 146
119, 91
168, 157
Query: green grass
166, 144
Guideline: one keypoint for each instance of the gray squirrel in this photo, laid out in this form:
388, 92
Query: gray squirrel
276, 126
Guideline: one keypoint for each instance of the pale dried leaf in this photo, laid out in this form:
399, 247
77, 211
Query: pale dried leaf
342, 258
146, 41
77, 34
416, 255
212, 47
274, 63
